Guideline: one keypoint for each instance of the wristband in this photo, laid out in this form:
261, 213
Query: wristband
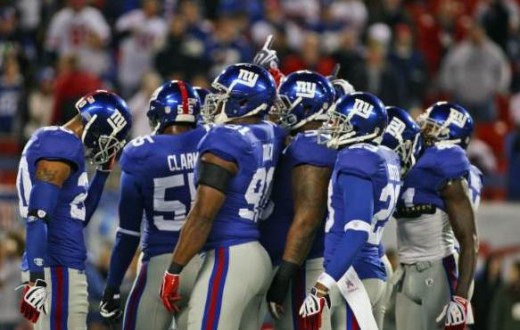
175, 268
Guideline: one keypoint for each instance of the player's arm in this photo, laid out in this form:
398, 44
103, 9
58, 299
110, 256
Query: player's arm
310, 205
358, 203
462, 220
310, 202
127, 240
95, 190
49, 178
213, 178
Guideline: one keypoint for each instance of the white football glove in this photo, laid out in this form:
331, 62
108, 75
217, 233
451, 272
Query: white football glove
455, 314
311, 309
34, 300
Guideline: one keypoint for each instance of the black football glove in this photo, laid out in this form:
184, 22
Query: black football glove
110, 306
279, 287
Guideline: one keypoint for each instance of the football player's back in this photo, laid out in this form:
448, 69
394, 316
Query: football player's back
256, 149
164, 166
65, 235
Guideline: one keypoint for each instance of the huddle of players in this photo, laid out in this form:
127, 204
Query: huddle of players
291, 209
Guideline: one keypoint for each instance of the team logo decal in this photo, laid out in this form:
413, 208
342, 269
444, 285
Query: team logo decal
305, 89
396, 127
362, 108
247, 78
457, 118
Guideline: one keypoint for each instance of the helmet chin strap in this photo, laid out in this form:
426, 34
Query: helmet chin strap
223, 118
87, 127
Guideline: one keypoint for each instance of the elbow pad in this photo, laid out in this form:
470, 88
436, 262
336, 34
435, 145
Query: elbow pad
214, 176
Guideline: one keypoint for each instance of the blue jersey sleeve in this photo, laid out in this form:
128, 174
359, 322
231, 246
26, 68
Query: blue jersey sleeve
128, 236
360, 161
359, 209
59, 144
226, 142
451, 163
304, 149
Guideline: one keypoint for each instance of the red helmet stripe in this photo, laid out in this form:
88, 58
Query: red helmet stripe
184, 95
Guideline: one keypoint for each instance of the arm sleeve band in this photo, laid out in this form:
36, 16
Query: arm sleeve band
214, 176
359, 208
128, 235
94, 194
42, 202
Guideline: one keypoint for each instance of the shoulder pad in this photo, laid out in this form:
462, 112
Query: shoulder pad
451, 161
135, 153
227, 141
55, 143
304, 149
360, 160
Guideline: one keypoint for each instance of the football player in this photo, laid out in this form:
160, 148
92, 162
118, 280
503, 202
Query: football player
233, 178
305, 97
157, 181
363, 191
57, 202
402, 135
434, 210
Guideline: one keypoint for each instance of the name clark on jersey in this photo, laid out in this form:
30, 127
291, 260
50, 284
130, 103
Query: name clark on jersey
183, 161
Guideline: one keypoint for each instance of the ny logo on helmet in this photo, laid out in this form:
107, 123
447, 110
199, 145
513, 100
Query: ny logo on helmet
247, 78
117, 122
396, 128
457, 118
305, 89
362, 108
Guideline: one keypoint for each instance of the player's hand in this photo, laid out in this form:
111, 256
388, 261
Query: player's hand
108, 166
312, 307
276, 295
170, 291
455, 314
110, 306
33, 300
267, 57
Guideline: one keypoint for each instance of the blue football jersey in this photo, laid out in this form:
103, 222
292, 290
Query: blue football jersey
436, 166
163, 167
303, 150
382, 167
65, 242
255, 149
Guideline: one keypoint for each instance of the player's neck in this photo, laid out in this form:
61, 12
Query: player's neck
246, 120
176, 129
75, 125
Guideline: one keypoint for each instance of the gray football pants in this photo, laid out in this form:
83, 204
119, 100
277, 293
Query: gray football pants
422, 292
341, 315
67, 302
144, 308
230, 290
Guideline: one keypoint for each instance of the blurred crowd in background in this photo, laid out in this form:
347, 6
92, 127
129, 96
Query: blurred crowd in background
409, 52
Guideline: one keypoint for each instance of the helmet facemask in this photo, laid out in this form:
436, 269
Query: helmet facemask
435, 132
100, 148
339, 131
